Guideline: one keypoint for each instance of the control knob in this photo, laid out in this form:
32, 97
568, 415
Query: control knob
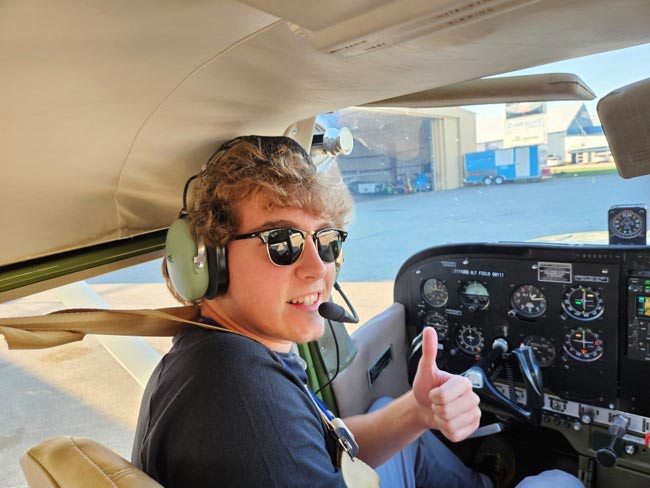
606, 456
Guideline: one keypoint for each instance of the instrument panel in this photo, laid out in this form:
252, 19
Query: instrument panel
585, 312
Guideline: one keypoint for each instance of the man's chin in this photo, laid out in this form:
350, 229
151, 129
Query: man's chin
311, 333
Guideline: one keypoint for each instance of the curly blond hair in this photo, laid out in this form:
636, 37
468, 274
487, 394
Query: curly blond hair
277, 171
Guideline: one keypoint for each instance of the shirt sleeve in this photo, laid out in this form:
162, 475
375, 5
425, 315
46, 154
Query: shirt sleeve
236, 416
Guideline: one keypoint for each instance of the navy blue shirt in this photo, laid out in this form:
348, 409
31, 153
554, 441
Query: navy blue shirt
221, 410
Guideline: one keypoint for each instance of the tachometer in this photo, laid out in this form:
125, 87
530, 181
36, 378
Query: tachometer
543, 349
438, 322
583, 302
474, 296
435, 292
528, 301
470, 340
583, 345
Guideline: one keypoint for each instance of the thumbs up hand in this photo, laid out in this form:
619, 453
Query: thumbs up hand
447, 402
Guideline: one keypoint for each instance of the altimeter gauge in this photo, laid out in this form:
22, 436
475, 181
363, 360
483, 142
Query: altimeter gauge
528, 301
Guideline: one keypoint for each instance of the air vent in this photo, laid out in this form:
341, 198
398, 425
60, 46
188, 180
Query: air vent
379, 28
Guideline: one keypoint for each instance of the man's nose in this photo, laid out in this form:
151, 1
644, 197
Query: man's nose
310, 265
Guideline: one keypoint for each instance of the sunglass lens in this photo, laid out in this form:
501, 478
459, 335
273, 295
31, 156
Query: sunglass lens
285, 246
329, 245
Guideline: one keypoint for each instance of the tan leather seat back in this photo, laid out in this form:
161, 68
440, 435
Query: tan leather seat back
63, 462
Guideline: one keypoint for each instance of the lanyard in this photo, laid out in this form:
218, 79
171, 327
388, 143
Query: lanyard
335, 425
321, 405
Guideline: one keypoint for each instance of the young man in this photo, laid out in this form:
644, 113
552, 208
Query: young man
231, 409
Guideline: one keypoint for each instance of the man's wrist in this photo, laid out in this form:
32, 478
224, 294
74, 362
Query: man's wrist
422, 414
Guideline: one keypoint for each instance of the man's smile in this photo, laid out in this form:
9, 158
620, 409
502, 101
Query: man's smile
308, 300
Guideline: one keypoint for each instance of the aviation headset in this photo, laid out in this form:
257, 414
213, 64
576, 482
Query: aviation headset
197, 270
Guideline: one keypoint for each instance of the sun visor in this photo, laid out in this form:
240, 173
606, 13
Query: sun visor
504, 89
625, 117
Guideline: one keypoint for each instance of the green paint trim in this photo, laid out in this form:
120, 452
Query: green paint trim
326, 394
316, 375
312, 379
33, 271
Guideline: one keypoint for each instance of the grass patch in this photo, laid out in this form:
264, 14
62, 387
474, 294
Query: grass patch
584, 170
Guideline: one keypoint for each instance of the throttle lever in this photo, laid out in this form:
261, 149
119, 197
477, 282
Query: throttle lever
532, 376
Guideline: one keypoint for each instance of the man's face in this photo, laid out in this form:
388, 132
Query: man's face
276, 305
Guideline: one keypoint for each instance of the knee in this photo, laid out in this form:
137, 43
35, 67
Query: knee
553, 477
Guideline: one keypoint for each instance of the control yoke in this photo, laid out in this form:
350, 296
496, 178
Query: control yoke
479, 375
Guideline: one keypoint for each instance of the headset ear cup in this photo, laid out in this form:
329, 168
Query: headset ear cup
218, 272
188, 276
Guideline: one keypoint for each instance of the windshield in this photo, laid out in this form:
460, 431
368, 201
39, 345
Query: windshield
506, 172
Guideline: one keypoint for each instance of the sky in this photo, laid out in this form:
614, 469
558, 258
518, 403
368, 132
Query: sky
602, 72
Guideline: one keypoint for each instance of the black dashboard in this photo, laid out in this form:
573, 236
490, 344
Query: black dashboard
584, 310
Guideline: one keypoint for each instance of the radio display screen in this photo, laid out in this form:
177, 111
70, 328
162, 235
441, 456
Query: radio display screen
643, 307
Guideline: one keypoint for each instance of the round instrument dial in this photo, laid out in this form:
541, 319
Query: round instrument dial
435, 292
627, 223
470, 340
474, 296
528, 301
438, 322
543, 349
583, 302
583, 345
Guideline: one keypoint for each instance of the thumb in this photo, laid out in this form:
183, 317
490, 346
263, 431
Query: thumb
429, 350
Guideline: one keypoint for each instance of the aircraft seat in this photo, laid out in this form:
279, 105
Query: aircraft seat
63, 462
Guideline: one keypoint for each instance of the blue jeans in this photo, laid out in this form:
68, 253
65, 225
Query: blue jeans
428, 463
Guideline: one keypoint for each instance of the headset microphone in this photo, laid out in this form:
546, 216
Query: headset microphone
332, 311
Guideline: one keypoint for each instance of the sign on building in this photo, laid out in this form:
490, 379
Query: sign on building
525, 124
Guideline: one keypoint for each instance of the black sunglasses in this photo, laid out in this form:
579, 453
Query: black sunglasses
284, 246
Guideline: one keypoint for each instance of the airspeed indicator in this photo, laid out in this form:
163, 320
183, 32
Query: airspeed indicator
435, 292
